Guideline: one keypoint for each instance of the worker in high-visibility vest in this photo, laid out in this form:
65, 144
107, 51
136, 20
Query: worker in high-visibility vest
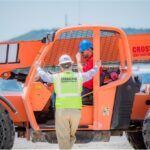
68, 88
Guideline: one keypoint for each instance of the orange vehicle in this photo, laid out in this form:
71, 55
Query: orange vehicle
118, 105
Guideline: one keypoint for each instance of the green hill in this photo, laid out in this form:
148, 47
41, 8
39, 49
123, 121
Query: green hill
136, 31
33, 35
39, 34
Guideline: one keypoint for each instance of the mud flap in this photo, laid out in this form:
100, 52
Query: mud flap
124, 102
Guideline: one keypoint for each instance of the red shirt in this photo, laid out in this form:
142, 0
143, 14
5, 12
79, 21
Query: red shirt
87, 67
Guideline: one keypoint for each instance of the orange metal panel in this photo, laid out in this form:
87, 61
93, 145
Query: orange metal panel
87, 119
39, 97
139, 106
105, 102
139, 46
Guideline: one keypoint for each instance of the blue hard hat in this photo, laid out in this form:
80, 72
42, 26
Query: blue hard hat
84, 45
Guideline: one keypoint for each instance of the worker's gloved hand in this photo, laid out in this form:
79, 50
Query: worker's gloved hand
37, 77
147, 89
98, 63
78, 57
37, 64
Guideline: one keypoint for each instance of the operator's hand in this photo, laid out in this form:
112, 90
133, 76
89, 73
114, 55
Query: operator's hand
78, 57
37, 64
147, 89
98, 63
37, 77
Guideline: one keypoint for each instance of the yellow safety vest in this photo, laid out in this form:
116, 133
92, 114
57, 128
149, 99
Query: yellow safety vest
68, 88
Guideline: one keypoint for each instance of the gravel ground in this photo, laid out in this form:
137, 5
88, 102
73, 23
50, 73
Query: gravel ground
114, 143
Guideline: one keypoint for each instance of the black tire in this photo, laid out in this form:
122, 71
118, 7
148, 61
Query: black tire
136, 140
146, 130
7, 130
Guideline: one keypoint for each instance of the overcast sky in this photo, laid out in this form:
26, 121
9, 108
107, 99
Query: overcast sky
20, 16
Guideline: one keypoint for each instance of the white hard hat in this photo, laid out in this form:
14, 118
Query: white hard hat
65, 59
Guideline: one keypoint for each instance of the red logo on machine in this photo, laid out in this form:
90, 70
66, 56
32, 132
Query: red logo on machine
141, 51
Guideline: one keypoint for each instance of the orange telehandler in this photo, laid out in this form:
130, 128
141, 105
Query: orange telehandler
118, 105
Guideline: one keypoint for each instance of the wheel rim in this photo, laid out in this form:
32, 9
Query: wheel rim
146, 130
